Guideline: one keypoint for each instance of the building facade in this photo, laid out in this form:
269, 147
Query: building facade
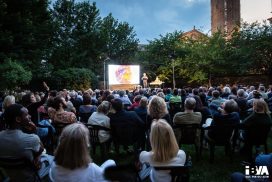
225, 15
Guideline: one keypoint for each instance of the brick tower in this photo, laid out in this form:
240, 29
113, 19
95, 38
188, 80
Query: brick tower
226, 15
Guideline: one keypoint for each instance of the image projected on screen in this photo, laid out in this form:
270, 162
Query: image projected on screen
123, 74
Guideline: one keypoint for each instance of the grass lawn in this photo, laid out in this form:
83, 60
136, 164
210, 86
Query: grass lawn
201, 170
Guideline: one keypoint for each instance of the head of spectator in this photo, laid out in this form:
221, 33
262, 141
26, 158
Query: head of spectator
157, 107
195, 91
211, 89
256, 94
28, 99
168, 91
122, 93
251, 88
8, 100
37, 97
163, 142
262, 89
59, 103
230, 106
234, 90
110, 97
190, 104
16, 116
183, 92
117, 105
215, 94
175, 92
226, 90
137, 98
104, 107
241, 93
143, 102
161, 94
72, 151
87, 100
53, 93
260, 106
73, 94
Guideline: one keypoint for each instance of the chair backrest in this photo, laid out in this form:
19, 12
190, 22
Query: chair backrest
19, 169
122, 173
178, 173
126, 134
222, 134
94, 129
175, 107
188, 133
258, 134
59, 127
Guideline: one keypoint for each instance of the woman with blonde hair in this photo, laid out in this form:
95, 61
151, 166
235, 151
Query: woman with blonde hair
72, 160
157, 109
165, 151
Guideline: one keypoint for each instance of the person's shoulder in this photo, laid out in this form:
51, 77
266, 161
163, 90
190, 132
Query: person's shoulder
181, 153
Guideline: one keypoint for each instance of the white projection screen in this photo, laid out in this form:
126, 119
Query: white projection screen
123, 74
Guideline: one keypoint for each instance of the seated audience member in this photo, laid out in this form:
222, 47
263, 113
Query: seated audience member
142, 109
86, 110
72, 159
136, 102
259, 117
261, 160
29, 101
8, 100
16, 144
216, 99
58, 114
255, 96
226, 92
76, 101
130, 119
262, 92
165, 152
242, 103
175, 97
227, 115
157, 109
100, 118
188, 116
168, 95
124, 98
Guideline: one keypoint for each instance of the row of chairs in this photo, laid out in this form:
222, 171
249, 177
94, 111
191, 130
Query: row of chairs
226, 135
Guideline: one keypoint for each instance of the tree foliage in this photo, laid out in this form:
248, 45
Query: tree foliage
13, 74
74, 78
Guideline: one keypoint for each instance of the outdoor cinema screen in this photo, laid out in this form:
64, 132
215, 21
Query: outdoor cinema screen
123, 74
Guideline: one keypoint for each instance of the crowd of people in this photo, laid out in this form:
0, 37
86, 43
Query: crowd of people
150, 116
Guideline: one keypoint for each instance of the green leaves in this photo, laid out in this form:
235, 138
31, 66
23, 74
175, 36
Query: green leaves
13, 74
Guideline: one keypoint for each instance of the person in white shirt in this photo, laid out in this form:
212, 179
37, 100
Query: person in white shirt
100, 118
72, 160
165, 151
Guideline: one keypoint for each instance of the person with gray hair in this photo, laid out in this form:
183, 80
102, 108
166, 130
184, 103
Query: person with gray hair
100, 118
188, 117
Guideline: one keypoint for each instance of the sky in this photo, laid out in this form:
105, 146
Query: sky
151, 18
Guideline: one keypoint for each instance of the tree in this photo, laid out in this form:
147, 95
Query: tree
74, 78
119, 39
25, 31
13, 74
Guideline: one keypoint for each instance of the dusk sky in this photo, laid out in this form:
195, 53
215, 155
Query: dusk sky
150, 18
